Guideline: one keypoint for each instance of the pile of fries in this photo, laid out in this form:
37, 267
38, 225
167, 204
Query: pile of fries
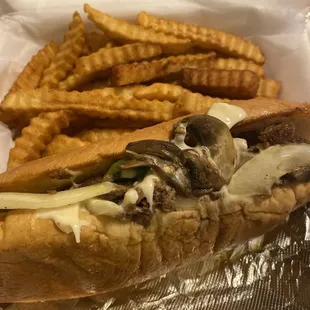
99, 85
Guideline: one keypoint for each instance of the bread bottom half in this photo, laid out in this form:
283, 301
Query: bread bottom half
38, 262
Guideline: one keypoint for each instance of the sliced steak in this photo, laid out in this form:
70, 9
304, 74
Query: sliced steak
284, 133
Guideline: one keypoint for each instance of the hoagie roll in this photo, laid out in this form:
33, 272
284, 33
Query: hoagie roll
119, 212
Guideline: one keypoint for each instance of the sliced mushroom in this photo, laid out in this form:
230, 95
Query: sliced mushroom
204, 173
210, 157
162, 149
164, 158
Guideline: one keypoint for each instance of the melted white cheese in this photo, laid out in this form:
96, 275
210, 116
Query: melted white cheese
242, 154
147, 187
307, 236
97, 206
227, 113
131, 197
66, 218
241, 145
179, 137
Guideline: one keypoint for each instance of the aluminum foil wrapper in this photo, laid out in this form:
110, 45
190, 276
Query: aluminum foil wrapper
270, 272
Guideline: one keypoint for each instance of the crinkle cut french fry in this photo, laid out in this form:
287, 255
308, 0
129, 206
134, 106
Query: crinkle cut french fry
69, 51
107, 57
86, 50
34, 138
97, 63
90, 103
30, 77
62, 144
122, 30
95, 85
73, 81
207, 38
236, 64
149, 70
233, 84
11, 120
112, 44
97, 134
115, 123
96, 40
160, 91
87, 68
185, 101
269, 88
189, 104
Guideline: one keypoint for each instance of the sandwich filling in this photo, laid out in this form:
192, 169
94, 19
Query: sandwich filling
201, 158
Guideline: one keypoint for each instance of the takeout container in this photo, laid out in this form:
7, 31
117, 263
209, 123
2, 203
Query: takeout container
274, 278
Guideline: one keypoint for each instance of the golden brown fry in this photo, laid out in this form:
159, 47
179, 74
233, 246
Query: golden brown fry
86, 50
30, 77
91, 103
269, 88
121, 30
174, 82
112, 44
117, 123
189, 104
58, 96
11, 120
206, 38
233, 84
185, 101
160, 91
236, 64
149, 70
68, 53
107, 57
97, 64
97, 40
37, 135
89, 123
95, 85
62, 144
96, 134
73, 81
